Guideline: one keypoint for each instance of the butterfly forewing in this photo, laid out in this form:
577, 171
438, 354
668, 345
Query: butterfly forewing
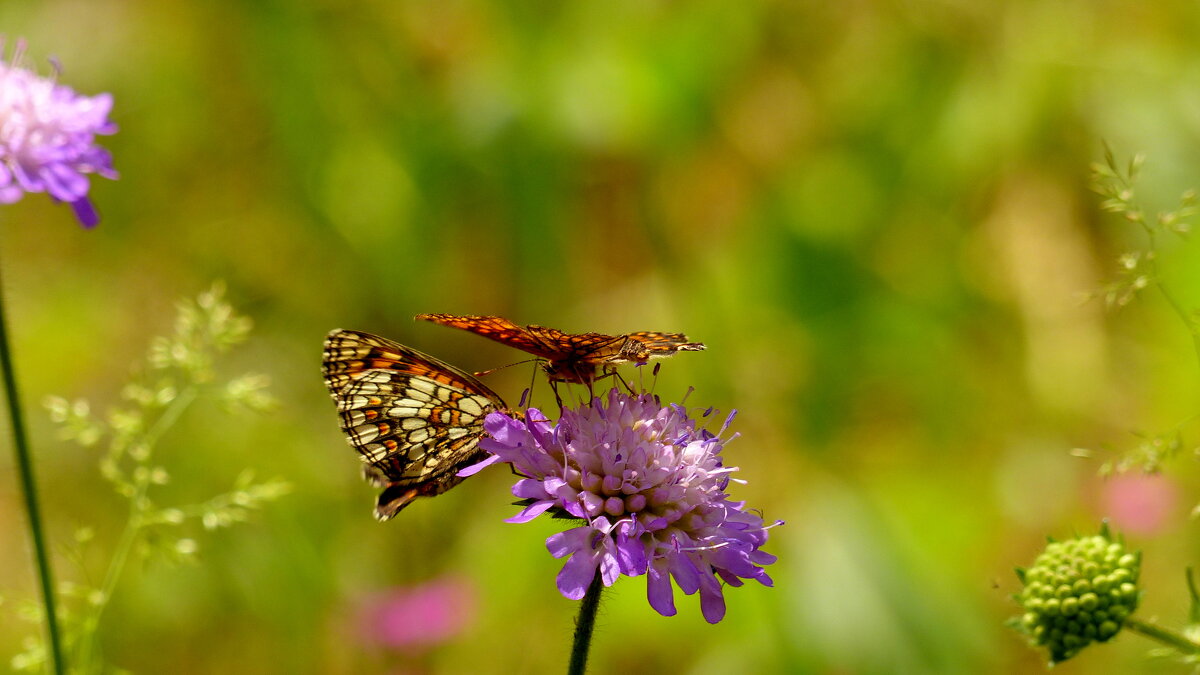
570, 357
546, 345
416, 420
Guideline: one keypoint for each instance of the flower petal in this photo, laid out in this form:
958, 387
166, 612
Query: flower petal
610, 569
659, 591
685, 572
530, 512
631, 554
567, 542
712, 603
576, 575
530, 488
477, 466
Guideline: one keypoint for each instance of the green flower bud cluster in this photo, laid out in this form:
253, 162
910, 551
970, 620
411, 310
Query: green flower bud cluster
1078, 592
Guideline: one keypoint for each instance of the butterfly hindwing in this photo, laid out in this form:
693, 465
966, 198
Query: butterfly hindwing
416, 420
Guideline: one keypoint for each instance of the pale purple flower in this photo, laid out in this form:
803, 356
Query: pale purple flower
47, 138
649, 484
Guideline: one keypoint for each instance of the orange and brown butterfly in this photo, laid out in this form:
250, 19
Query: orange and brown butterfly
416, 420
574, 358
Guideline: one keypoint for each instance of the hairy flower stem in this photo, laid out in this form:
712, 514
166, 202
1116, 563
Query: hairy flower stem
29, 490
1168, 637
133, 527
584, 625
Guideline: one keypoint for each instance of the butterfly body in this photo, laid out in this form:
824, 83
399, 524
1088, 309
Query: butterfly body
575, 358
415, 420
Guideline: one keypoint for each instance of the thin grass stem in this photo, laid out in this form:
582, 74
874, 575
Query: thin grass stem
30, 494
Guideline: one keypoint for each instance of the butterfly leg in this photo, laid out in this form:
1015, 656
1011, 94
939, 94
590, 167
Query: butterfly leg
528, 400
611, 371
557, 397
620, 379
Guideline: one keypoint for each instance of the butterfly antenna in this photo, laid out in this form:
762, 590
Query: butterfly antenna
481, 373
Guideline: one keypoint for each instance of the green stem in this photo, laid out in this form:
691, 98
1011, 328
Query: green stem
137, 512
1188, 321
1163, 635
29, 489
583, 627
1194, 609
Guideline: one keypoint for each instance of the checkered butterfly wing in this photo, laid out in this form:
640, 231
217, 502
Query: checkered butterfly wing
569, 357
416, 420
547, 343
650, 345
593, 348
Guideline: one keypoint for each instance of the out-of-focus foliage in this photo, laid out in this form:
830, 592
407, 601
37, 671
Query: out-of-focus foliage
876, 216
178, 370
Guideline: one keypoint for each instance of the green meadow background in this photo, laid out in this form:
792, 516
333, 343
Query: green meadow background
875, 214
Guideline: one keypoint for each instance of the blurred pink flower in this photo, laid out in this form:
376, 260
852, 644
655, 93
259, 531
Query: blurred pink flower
1138, 503
416, 617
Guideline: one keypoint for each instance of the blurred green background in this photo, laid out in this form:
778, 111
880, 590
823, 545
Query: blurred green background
875, 214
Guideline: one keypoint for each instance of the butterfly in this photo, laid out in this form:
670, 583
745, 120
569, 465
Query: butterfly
416, 420
572, 358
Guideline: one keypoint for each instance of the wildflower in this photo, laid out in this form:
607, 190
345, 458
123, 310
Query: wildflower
649, 485
1140, 503
47, 138
1078, 591
417, 617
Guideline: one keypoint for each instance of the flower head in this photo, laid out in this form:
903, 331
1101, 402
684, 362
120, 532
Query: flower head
1140, 503
417, 617
47, 138
1078, 591
648, 484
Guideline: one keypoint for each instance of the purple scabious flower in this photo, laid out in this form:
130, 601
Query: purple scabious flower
649, 484
47, 138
